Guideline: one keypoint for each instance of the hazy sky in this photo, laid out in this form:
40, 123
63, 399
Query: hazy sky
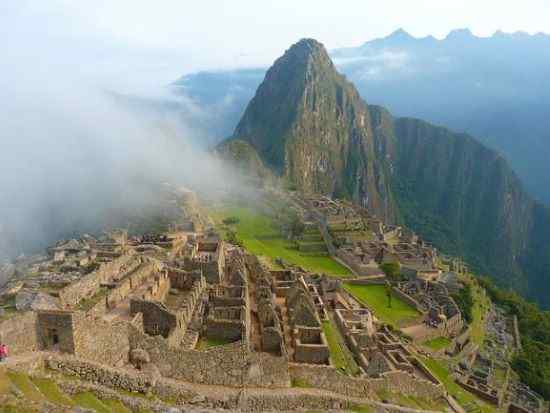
141, 43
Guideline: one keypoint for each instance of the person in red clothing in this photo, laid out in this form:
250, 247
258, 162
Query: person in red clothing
3, 352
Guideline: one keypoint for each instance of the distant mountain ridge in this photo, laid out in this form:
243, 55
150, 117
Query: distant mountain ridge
308, 125
494, 88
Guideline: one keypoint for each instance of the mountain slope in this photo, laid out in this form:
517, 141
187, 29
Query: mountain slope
460, 195
494, 88
308, 124
311, 127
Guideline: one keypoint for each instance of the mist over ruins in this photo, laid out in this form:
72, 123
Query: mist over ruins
182, 230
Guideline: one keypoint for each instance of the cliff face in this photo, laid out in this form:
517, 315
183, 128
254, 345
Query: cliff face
461, 196
310, 126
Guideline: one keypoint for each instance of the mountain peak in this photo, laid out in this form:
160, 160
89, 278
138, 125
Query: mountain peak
309, 125
304, 51
400, 34
460, 34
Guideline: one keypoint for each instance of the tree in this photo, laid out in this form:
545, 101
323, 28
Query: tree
231, 220
231, 237
465, 302
392, 270
296, 227
388, 293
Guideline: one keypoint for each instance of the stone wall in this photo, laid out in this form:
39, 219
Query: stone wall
89, 285
100, 374
408, 299
157, 319
55, 329
86, 287
228, 365
328, 378
19, 333
310, 346
356, 265
226, 330
101, 341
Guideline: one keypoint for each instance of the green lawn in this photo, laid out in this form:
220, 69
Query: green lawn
50, 389
479, 310
116, 406
206, 342
464, 398
340, 355
88, 400
438, 343
27, 387
374, 296
261, 237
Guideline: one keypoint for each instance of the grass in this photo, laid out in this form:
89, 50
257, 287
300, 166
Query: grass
5, 382
89, 401
362, 408
116, 406
261, 237
87, 303
339, 354
51, 391
464, 398
374, 296
438, 343
479, 310
300, 383
27, 387
422, 403
206, 342
414, 402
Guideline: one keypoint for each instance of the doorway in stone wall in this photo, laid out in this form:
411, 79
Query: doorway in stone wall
52, 339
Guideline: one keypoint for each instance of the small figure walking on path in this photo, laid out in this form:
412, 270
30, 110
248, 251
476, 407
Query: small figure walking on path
3, 352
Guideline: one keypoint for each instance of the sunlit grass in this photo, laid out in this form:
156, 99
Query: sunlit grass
374, 296
260, 236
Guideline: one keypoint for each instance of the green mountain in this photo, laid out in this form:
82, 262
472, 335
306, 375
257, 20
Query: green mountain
309, 126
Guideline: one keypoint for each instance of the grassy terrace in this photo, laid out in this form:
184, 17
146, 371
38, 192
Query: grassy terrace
481, 305
438, 343
46, 389
464, 398
339, 354
260, 236
374, 296
205, 343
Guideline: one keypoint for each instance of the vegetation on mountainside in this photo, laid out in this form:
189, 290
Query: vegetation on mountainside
374, 297
465, 301
309, 125
532, 363
260, 235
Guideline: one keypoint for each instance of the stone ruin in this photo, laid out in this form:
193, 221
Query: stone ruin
186, 306
441, 315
